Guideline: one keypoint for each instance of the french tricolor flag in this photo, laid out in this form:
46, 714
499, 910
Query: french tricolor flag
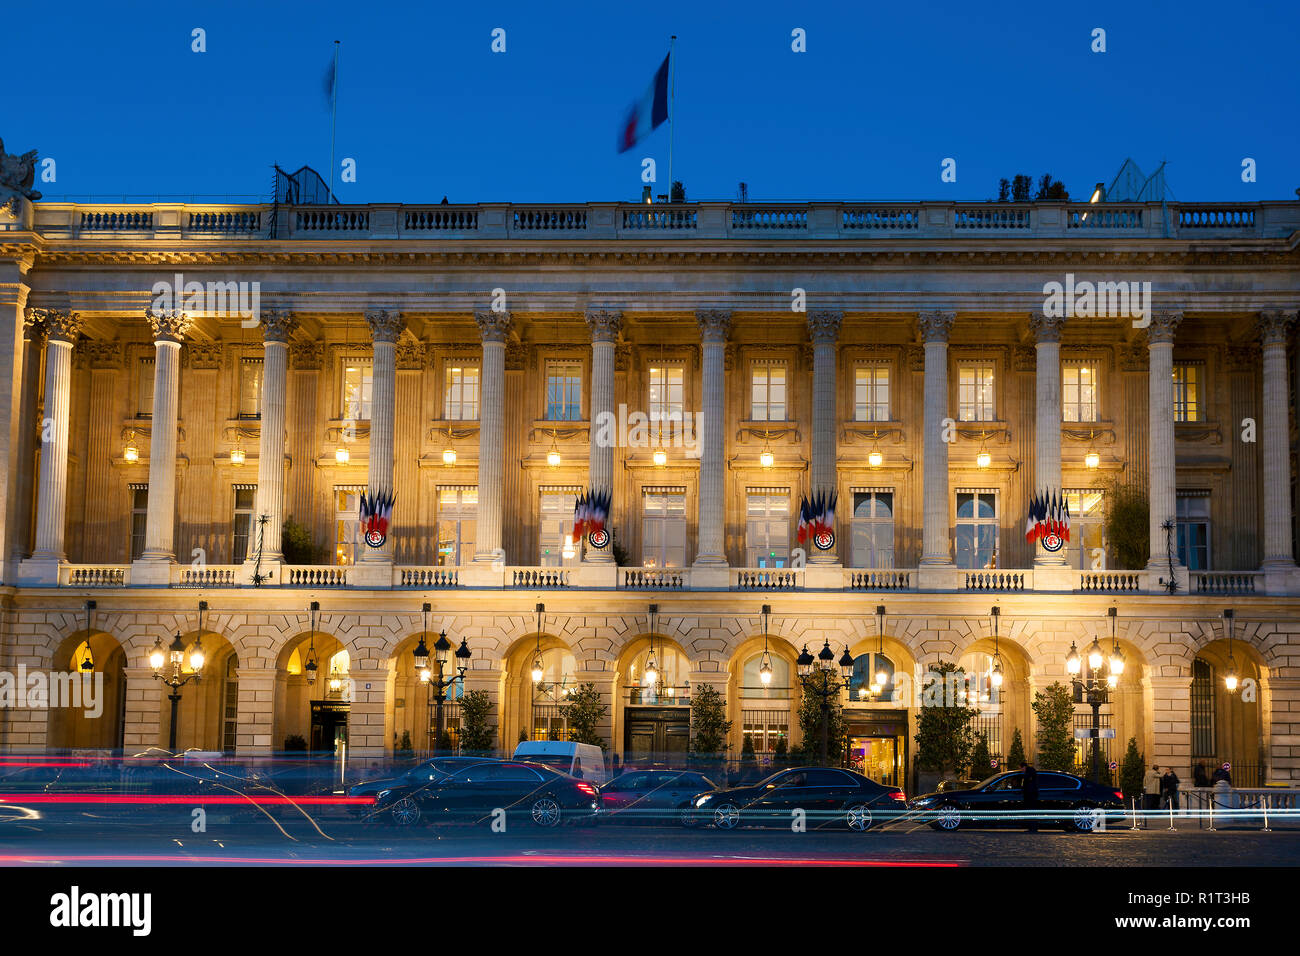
647, 113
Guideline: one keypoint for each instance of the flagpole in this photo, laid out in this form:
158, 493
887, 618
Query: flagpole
334, 114
672, 108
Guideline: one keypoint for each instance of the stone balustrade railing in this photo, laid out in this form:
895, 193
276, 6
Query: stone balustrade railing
704, 220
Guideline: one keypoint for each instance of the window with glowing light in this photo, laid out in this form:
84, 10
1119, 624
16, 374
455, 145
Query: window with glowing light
865, 667
871, 393
1087, 548
975, 392
556, 509
460, 397
456, 525
752, 686
144, 388
768, 393
1079, 392
563, 392
357, 390
977, 530
666, 393
873, 529
139, 495
558, 681
347, 537
672, 676
767, 528
1188, 406
242, 527
250, 388
663, 528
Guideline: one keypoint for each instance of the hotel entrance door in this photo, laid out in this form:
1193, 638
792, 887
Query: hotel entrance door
329, 727
877, 746
657, 735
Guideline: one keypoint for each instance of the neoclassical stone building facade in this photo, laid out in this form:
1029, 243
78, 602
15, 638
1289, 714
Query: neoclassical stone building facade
709, 364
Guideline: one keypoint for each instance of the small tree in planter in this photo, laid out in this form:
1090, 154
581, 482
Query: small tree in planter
1132, 771
584, 713
477, 735
709, 724
945, 735
780, 753
404, 748
1054, 708
981, 761
1016, 754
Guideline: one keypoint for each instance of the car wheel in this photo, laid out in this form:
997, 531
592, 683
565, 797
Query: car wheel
948, 818
545, 812
687, 817
405, 812
726, 816
1084, 819
858, 817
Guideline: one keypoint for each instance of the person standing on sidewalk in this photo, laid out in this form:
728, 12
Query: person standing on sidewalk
1152, 789
1169, 785
1029, 794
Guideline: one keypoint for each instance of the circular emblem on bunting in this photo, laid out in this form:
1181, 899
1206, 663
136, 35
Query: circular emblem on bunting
824, 540
1052, 541
598, 538
375, 539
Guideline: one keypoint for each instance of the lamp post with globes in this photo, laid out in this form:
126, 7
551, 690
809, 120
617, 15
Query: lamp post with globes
1094, 690
175, 656
438, 683
817, 676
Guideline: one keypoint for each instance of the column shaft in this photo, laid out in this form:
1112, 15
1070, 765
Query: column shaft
161, 517
1275, 434
604, 328
710, 549
270, 455
494, 327
1047, 421
935, 543
52, 493
1162, 490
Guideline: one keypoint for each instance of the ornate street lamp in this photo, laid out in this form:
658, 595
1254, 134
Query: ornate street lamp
175, 655
824, 684
765, 665
765, 457
437, 683
1230, 678
311, 666
1095, 689
651, 677
879, 677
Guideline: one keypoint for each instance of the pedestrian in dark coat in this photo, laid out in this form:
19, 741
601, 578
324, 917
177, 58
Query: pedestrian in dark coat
1029, 793
1169, 788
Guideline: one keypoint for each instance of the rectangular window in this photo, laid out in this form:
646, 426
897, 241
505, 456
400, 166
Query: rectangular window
250, 388
242, 525
663, 527
1203, 743
1079, 392
977, 529
144, 389
975, 392
1087, 547
767, 528
1193, 511
556, 511
873, 529
139, 517
563, 392
461, 393
666, 397
1188, 406
871, 393
457, 520
768, 393
358, 389
765, 727
347, 541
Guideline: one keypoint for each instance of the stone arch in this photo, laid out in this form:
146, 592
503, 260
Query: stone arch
522, 707
95, 717
206, 715
764, 714
664, 714
294, 694
1228, 726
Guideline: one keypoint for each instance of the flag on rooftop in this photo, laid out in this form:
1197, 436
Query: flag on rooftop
647, 113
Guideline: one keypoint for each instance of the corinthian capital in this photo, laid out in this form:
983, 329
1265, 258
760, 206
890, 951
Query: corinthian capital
604, 325
55, 324
1275, 325
935, 326
385, 324
824, 326
278, 325
1046, 328
493, 326
1163, 326
168, 325
714, 324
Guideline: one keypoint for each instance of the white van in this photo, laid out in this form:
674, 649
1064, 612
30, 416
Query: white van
585, 761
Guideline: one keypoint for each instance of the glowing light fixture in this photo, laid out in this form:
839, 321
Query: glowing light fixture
995, 677
765, 667
449, 456
660, 456
1072, 662
1095, 656
1116, 655
1230, 678
131, 453
553, 458
765, 457
881, 678
310, 668
538, 670
342, 455
237, 455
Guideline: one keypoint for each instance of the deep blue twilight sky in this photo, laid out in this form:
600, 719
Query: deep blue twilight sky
883, 94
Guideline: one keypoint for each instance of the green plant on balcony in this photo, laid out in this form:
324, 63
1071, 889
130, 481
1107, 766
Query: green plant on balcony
297, 544
1128, 532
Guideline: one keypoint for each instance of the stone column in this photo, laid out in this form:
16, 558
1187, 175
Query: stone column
1274, 328
169, 330
13, 302
277, 326
605, 327
936, 546
385, 326
1161, 462
824, 329
1047, 421
23, 464
62, 329
711, 520
494, 327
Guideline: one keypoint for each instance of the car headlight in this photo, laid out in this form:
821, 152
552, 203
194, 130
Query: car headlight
382, 793
701, 801
923, 801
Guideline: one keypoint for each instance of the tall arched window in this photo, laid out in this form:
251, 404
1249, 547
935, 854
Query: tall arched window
752, 685
672, 677
865, 667
549, 694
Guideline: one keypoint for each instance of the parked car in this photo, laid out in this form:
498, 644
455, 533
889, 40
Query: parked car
652, 796
421, 775
584, 761
1063, 799
826, 794
472, 794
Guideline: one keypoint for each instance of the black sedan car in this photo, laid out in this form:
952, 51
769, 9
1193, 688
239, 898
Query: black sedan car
827, 795
475, 793
652, 796
1063, 799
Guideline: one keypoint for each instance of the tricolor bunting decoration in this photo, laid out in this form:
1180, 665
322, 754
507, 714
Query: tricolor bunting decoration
590, 513
374, 515
817, 520
1049, 520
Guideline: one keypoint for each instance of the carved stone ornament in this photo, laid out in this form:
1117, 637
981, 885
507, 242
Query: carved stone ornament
1275, 325
17, 174
385, 324
57, 325
714, 324
1163, 326
307, 356
168, 325
493, 326
106, 355
1046, 328
604, 325
516, 356
935, 326
204, 355
1242, 358
1133, 357
278, 324
410, 355
1024, 358
916, 358
622, 358
824, 326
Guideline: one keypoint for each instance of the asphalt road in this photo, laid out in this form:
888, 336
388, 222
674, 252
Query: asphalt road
166, 837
